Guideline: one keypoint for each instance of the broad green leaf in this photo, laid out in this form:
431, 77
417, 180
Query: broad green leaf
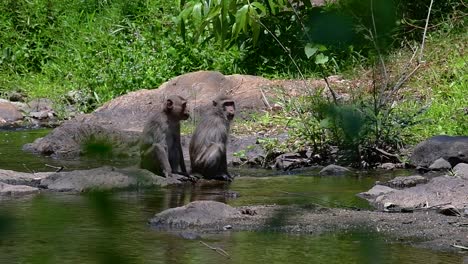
321, 59
197, 12
260, 7
241, 19
310, 50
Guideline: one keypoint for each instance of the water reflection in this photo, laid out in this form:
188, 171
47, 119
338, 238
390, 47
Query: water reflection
111, 227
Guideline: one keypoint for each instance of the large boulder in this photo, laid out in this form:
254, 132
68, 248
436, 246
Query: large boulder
452, 149
195, 214
104, 178
120, 121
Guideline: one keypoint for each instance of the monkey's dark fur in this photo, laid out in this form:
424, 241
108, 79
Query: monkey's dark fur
160, 148
208, 144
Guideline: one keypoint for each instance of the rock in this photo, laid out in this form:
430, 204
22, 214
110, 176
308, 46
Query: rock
127, 114
438, 191
104, 178
402, 182
7, 190
9, 113
388, 166
461, 170
449, 210
375, 192
452, 149
334, 170
22, 178
289, 161
440, 164
198, 213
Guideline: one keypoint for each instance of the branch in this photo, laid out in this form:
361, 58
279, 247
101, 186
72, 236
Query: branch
217, 249
424, 34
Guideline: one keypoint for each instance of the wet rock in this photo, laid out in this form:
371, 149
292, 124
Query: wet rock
289, 161
437, 192
388, 166
375, 192
198, 213
22, 178
461, 170
7, 190
440, 164
334, 170
9, 113
402, 182
104, 178
452, 149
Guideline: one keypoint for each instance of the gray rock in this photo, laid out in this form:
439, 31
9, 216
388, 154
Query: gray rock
402, 182
461, 170
104, 178
440, 164
334, 170
9, 113
198, 213
452, 149
375, 192
7, 190
289, 161
437, 192
22, 178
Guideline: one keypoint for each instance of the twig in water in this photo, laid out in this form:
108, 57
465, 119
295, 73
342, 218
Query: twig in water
217, 249
26, 167
460, 247
57, 169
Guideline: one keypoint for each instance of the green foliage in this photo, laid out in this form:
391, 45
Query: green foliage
101, 48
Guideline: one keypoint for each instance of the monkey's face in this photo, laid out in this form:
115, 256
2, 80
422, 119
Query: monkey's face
229, 109
184, 112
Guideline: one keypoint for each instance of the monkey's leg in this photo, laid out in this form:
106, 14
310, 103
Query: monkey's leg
161, 157
212, 163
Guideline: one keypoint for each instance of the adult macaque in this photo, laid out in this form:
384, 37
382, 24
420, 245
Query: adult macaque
160, 149
208, 144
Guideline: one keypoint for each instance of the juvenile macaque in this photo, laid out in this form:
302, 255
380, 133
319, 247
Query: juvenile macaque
160, 149
208, 144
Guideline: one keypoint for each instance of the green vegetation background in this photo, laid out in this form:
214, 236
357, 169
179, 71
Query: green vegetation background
105, 48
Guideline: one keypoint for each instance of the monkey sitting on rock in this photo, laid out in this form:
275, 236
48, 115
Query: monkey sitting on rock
208, 144
160, 148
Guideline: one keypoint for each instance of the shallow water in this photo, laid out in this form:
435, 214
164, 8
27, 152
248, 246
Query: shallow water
112, 227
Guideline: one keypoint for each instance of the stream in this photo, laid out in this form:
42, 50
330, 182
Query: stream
112, 227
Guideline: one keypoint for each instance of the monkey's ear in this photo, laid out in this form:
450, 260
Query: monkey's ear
215, 103
169, 104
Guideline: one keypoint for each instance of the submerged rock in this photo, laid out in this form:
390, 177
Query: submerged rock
196, 214
7, 190
334, 170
